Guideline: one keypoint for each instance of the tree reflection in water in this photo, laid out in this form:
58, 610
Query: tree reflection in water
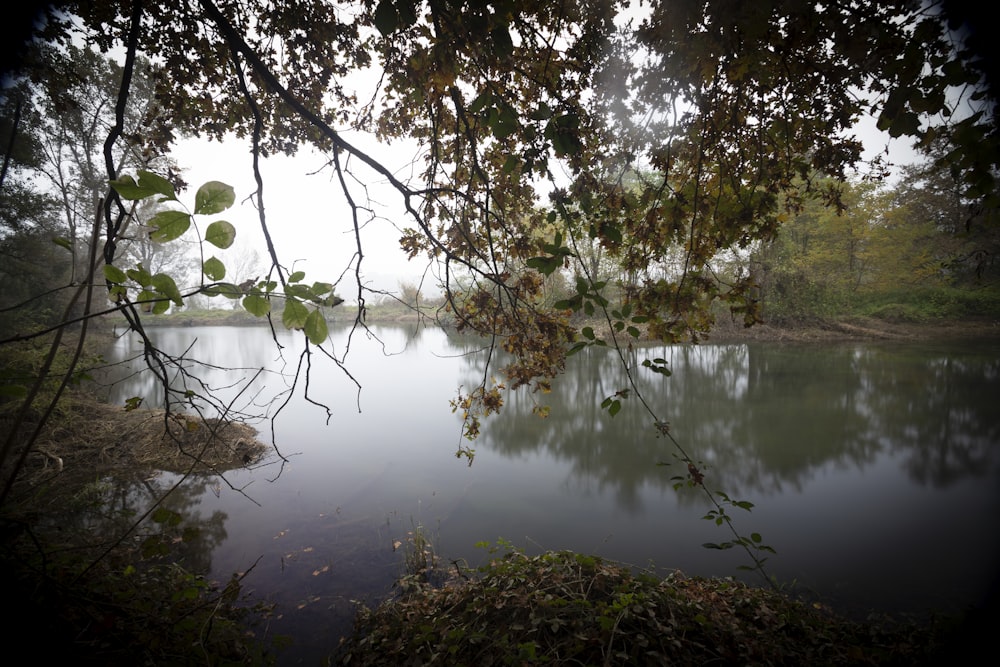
764, 417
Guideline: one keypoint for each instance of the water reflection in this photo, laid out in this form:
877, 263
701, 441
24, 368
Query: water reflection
109, 508
868, 464
853, 454
765, 418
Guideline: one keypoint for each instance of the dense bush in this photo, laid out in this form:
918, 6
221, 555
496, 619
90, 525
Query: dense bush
570, 609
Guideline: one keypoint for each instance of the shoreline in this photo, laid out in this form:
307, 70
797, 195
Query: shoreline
860, 329
848, 329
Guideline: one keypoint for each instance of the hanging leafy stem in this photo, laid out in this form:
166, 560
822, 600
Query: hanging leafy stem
156, 292
590, 301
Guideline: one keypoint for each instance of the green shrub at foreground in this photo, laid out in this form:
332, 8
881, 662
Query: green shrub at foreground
111, 616
569, 609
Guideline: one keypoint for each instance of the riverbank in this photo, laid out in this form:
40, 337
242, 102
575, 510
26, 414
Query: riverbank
726, 330
106, 583
857, 329
90, 438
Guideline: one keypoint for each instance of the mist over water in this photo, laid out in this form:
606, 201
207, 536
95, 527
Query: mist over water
874, 469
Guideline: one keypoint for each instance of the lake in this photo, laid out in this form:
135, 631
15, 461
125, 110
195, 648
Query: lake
874, 468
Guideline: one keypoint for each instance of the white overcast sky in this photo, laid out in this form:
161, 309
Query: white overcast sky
310, 222
307, 214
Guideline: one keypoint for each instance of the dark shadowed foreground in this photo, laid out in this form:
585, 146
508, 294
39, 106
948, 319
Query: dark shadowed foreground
571, 609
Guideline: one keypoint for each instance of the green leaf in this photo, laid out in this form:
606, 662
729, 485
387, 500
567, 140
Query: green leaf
611, 233
300, 292
505, 122
114, 274
154, 546
140, 275
169, 225
213, 268
503, 45
127, 188
213, 197
161, 305
615, 407
117, 293
295, 315
545, 265
316, 292
149, 184
563, 132
319, 289
543, 112
63, 242
407, 11
156, 183
485, 98
386, 18
149, 301
907, 123
228, 290
297, 277
221, 234
315, 328
166, 286
257, 305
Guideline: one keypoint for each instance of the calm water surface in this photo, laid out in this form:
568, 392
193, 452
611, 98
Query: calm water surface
874, 468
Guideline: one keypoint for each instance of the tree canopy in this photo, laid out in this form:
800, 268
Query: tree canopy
553, 136
586, 172
646, 130
596, 172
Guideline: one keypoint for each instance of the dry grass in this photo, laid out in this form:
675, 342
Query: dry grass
88, 437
